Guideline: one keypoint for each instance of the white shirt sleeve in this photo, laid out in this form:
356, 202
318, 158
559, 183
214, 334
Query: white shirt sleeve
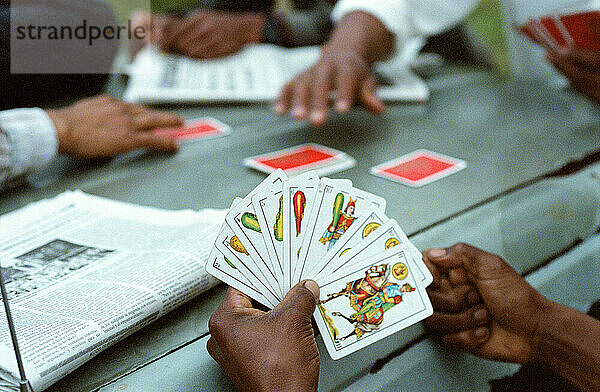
29, 141
410, 18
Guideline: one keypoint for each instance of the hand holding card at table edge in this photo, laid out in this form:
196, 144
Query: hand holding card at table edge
102, 126
267, 351
581, 68
483, 306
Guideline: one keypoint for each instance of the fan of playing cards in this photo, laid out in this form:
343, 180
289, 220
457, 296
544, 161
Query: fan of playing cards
372, 278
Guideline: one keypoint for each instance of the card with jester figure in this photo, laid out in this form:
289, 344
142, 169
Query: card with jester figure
376, 298
354, 236
336, 208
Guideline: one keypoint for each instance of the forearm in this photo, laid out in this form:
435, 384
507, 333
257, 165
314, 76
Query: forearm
363, 34
568, 342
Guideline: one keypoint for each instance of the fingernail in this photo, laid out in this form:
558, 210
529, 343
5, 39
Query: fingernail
480, 315
313, 287
317, 117
299, 112
481, 333
472, 298
437, 252
342, 105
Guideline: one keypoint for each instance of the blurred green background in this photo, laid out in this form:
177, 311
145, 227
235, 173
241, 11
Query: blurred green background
123, 8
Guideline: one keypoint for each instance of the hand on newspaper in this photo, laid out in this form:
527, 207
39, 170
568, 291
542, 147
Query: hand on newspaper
210, 34
102, 127
344, 68
267, 351
581, 67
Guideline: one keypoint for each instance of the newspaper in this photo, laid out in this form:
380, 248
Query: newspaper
156, 77
83, 272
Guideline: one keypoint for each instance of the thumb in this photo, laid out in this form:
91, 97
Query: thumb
300, 301
479, 264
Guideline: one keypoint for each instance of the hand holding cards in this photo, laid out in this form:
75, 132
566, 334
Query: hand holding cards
372, 278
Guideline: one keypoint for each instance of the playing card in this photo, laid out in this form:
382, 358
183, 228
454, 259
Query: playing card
583, 29
244, 223
269, 211
377, 298
373, 219
228, 270
528, 31
305, 157
418, 168
385, 237
560, 35
544, 36
298, 198
335, 210
371, 276
202, 128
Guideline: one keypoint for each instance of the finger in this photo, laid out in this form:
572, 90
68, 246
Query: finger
199, 43
300, 97
213, 349
177, 31
479, 264
282, 103
587, 59
591, 91
300, 301
458, 277
470, 340
452, 301
575, 72
235, 299
168, 33
154, 119
154, 142
321, 90
435, 272
208, 48
347, 86
368, 96
448, 323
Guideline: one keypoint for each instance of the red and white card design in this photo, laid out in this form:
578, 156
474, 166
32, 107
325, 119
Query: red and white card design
579, 29
418, 168
201, 128
302, 158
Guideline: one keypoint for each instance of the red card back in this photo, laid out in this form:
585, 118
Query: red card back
301, 157
418, 168
584, 29
550, 25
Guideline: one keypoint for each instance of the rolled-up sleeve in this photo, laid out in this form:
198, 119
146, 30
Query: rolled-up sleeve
409, 18
27, 142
